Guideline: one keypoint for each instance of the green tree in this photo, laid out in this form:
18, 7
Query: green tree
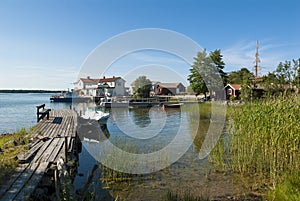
203, 70
242, 76
142, 87
217, 59
271, 84
196, 80
296, 72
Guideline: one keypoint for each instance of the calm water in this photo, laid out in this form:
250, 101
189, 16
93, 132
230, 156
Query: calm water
125, 126
18, 110
130, 130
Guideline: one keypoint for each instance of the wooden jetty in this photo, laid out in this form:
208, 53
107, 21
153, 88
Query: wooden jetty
54, 142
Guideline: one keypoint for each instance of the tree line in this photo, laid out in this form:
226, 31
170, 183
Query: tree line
283, 80
208, 67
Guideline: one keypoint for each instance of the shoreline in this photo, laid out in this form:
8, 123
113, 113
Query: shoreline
15, 91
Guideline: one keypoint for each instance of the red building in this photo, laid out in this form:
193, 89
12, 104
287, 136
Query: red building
232, 90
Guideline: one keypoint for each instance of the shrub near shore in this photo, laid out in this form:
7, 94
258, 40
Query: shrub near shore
263, 144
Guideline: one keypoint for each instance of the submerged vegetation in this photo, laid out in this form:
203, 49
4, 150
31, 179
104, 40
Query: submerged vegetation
263, 144
184, 196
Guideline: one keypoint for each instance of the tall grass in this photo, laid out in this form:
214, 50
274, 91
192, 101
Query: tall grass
184, 196
10, 146
263, 140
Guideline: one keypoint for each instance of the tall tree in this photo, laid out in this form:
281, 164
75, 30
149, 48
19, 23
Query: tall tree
217, 59
202, 73
296, 72
271, 83
242, 76
142, 87
196, 80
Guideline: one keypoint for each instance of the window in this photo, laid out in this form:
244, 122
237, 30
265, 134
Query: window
229, 91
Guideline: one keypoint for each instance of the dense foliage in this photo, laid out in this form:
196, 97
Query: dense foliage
142, 87
263, 142
202, 72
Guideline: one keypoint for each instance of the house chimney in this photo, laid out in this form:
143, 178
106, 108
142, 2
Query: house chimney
88, 77
113, 76
103, 77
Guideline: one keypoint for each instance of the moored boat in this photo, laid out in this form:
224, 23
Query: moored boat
68, 97
99, 116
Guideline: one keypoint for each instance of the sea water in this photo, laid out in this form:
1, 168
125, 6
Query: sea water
18, 110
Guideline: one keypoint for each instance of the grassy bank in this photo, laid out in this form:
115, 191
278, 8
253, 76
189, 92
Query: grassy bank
10, 146
262, 146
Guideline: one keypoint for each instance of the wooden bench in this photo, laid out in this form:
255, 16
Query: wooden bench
41, 112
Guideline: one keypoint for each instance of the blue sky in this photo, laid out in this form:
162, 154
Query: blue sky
43, 44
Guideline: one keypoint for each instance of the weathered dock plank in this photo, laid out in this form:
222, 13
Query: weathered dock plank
20, 182
48, 146
41, 151
19, 170
59, 146
24, 157
30, 186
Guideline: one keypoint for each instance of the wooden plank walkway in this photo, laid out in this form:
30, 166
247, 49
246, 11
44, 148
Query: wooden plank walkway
51, 135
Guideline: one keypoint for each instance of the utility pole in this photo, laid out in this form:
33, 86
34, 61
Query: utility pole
256, 66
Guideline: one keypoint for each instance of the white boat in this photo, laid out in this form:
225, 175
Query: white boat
99, 116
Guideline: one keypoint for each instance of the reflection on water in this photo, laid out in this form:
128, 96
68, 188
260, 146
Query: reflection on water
187, 173
140, 116
90, 130
122, 125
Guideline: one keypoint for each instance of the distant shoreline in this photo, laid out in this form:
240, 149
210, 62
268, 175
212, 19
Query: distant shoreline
28, 91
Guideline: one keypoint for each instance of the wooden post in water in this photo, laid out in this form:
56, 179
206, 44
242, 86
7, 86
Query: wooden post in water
66, 149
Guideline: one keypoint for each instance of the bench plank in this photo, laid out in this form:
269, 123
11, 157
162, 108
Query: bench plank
42, 113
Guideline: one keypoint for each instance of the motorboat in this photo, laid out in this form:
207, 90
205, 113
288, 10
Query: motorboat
99, 116
170, 105
69, 97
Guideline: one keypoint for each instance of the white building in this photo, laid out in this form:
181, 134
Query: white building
114, 86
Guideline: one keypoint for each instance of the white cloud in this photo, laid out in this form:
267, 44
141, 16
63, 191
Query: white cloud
242, 54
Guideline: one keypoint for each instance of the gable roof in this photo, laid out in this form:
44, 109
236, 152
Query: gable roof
169, 85
234, 86
110, 79
90, 80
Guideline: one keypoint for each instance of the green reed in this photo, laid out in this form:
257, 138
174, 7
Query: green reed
184, 196
263, 140
10, 146
111, 176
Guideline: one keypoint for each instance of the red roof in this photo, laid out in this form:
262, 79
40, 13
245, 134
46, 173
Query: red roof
86, 80
110, 79
234, 86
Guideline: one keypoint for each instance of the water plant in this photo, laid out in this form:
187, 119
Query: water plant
262, 142
184, 196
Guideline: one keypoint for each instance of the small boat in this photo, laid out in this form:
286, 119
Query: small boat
99, 116
171, 105
69, 97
